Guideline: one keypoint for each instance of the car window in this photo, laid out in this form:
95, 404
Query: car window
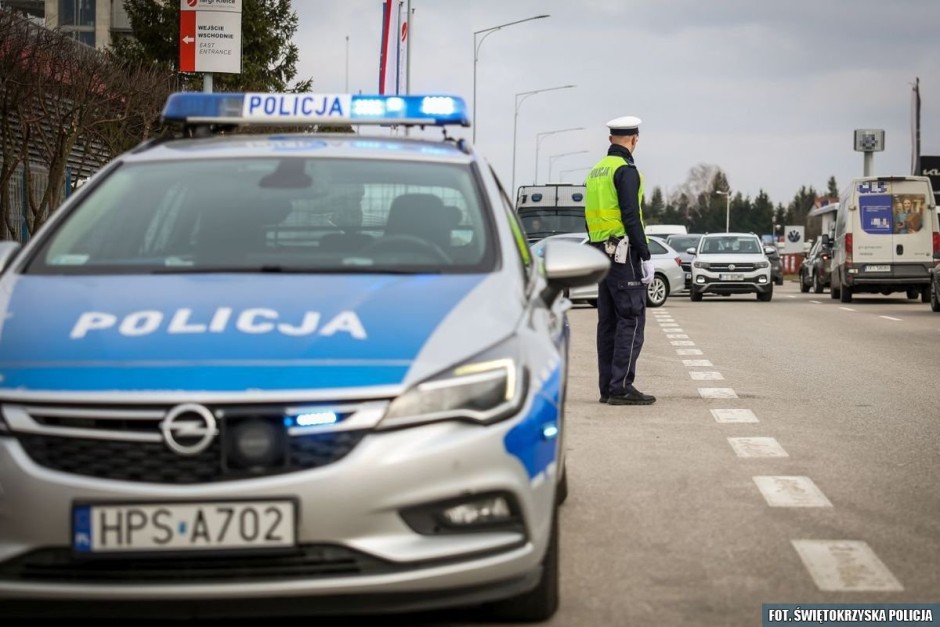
656, 248
284, 213
730, 245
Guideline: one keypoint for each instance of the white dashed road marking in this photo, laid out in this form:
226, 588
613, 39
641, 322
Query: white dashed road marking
846, 308
677, 336
734, 415
706, 375
791, 492
673, 330
688, 351
692, 363
717, 393
816, 302
668, 324
682, 343
890, 318
757, 447
845, 565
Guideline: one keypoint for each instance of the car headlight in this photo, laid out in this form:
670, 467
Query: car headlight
762, 264
703, 265
486, 388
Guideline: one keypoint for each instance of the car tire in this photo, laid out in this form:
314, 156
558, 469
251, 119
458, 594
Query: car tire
913, 293
694, 295
779, 280
925, 294
845, 294
562, 491
934, 298
817, 284
540, 603
766, 297
658, 291
804, 286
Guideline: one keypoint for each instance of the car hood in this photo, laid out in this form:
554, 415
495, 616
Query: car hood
732, 258
228, 332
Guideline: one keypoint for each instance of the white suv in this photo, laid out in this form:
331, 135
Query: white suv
730, 263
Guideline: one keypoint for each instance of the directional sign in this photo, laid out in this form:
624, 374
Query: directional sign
211, 36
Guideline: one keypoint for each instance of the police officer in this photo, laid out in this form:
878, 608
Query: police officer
614, 216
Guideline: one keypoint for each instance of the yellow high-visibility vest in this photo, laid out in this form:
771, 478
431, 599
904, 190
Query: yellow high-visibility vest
601, 206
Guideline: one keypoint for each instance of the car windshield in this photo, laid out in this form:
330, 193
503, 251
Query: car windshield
546, 222
730, 245
274, 215
683, 242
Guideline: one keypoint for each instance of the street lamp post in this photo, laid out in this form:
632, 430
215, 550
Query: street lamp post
551, 160
727, 196
538, 141
486, 32
515, 122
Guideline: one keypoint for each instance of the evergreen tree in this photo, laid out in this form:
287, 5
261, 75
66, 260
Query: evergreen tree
269, 57
832, 188
655, 207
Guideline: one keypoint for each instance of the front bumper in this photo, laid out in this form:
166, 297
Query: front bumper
704, 282
352, 539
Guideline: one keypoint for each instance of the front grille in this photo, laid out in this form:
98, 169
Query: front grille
738, 267
161, 444
153, 462
59, 565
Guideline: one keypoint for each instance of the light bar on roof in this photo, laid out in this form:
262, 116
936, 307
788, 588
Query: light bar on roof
305, 109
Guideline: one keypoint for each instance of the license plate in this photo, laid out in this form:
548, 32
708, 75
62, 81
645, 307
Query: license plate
730, 277
877, 268
156, 527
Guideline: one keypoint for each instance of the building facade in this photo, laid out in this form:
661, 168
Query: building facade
92, 22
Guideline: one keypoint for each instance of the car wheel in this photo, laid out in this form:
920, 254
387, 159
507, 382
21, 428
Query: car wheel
845, 294
804, 286
925, 294
765, 297
562, 494
657, 292
817, 284
779, 280
694, 295
934, 298
540, 603
913, 293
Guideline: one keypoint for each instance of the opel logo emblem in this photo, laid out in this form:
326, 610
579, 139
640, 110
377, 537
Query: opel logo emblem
188, 429
731, 266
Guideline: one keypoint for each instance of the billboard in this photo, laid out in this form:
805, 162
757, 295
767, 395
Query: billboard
930, 167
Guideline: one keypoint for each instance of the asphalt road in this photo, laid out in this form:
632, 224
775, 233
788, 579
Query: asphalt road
811, 478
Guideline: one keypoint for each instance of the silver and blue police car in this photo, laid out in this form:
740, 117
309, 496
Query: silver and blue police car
267, 374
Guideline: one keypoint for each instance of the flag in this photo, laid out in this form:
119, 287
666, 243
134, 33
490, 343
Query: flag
915, 128
393, 60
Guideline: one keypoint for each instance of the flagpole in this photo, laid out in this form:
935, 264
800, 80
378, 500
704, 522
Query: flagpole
915, 157
410, 20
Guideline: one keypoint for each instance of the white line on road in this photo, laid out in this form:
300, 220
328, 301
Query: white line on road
791, 492
846, 308
816, 302
845, 565
677, 336
706, 375
790, 296
688, 351
734, 415
717, 393
890, 318
757, 447
691, 363
682, 343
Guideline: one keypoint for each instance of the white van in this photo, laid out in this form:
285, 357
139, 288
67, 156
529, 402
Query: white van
662, 230
885, 238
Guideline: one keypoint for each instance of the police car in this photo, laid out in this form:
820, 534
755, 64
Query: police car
265, 374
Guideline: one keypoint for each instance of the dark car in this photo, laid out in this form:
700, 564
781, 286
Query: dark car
682, 242
776, 264
814, 269
935, 289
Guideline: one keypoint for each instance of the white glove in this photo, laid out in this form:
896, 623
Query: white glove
648, 272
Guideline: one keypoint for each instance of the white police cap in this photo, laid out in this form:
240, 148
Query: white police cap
627, 125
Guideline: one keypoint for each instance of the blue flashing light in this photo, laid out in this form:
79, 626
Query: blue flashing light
549, 431
313, 419
288, 109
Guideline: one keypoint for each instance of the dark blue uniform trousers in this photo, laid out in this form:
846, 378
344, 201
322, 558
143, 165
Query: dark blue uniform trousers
621, 321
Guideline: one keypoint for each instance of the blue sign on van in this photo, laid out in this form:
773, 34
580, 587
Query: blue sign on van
875, 211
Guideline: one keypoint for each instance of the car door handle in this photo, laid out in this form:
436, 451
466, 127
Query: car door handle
900, 249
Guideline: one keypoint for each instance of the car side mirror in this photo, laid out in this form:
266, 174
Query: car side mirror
567, 265
769, 250
690, 251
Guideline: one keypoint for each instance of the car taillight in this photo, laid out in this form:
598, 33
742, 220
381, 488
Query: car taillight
936, 243
848, 243
825, 257
679, 259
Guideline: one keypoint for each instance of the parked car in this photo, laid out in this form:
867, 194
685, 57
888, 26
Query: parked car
731, 263
935, 289
682, 242
776, 263
669, 278
224, 390
814, 269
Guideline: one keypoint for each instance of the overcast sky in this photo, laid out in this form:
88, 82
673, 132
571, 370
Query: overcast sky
769, 91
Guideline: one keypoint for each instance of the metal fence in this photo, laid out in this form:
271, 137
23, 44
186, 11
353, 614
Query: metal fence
14, 225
